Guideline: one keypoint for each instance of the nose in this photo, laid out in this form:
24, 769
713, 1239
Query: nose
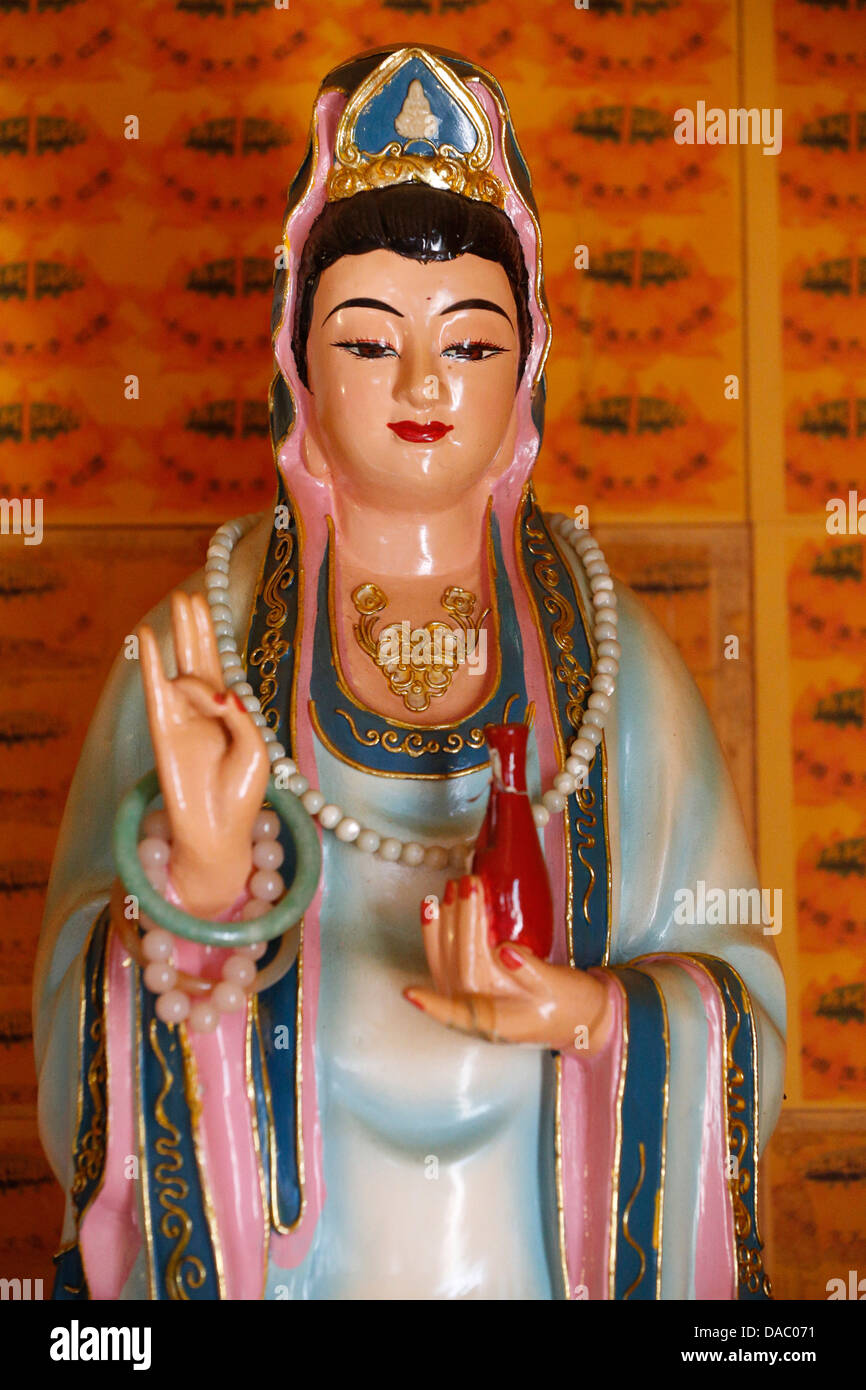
420, 383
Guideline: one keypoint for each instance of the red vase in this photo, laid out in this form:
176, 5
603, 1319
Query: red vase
508, 854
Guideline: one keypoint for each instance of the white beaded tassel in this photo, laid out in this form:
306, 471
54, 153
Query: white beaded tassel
345, 827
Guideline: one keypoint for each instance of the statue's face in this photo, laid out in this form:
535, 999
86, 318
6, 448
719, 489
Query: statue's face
412, 370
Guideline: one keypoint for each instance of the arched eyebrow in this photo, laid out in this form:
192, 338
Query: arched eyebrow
364, 304
476, 304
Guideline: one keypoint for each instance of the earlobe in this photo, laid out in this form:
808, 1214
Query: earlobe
505, 454
313, 456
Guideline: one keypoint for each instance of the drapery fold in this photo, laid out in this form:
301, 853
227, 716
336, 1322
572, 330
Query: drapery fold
699, 1055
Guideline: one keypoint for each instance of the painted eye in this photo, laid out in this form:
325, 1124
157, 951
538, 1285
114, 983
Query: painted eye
369, 350
473, 350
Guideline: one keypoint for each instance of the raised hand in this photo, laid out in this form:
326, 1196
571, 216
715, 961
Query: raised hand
503, 993
211, 759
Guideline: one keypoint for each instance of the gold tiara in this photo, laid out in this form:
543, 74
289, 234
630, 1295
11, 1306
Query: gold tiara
413, 121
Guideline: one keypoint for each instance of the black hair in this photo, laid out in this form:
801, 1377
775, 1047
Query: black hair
416, 221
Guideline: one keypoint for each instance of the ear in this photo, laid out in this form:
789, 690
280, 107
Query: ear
505, 455
313, 454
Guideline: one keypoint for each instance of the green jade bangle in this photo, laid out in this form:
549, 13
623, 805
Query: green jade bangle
206, 931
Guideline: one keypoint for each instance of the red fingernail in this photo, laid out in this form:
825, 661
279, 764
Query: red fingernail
407, 994
466, 886
450, 891
510, 958
221, 697
239, 702
428, 909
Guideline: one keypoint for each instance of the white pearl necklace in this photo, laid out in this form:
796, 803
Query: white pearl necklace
346, 827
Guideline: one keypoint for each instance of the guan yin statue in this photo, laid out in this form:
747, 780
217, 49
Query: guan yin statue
387, 997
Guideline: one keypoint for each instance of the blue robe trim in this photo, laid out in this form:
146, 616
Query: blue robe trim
270, 665
639, 1177
741, 1104
274, 1073
560, 615
70, 1283
270, 654
91, 1138
181, 1254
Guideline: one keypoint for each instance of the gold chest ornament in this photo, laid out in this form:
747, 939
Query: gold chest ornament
419, 663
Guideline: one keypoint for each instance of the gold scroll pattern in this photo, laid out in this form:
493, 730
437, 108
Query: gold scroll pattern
585, 822
392, 167
576, 681
182, 1271
415, 681
625, 1230
568, 672
90, 1156
268, 656
750, 1260
415, 743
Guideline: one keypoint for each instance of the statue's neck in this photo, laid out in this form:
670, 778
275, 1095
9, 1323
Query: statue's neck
379, 541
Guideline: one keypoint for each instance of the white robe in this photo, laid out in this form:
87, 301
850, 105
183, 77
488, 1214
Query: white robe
437, 1185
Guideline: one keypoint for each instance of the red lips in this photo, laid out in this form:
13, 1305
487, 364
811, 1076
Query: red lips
420, 434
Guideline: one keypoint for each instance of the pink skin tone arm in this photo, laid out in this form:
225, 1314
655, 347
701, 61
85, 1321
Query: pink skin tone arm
504, 993
211, 759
